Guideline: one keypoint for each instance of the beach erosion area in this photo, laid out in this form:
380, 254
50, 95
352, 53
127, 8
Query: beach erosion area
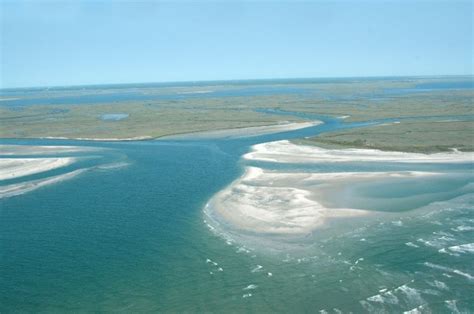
292, 190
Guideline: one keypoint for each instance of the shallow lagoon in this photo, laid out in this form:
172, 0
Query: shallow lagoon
135, 238
114, 116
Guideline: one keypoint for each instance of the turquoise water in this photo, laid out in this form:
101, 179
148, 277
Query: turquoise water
130, 235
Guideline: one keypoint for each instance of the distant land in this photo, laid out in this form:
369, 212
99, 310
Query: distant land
432, 113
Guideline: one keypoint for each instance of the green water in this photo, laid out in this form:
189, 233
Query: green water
135, 238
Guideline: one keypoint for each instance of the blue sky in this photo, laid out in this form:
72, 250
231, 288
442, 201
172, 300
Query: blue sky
94, 42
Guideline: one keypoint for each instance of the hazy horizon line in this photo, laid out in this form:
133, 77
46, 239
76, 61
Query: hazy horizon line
235, 80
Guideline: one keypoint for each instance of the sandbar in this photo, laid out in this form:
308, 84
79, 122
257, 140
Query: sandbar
18, 167
285, 202
287, 152
9, 150
28, 186
271, 203
135, 138
293, 203
244, 132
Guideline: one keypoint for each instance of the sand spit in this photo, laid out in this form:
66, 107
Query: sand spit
11, 168
20, 150
243, 132
136, 138
18, 161
24, 187
287, 152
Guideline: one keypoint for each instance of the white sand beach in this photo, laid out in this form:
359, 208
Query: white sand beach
244, 132
20, 150
18, 167
254, 203
287, 152
135, 138
273, 202
298, 202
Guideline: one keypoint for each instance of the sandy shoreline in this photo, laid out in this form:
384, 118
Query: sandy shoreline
279, 203
136, 138
221, 133
20, 150
287, 152
253, 203
285, 202
19, 167
242, 132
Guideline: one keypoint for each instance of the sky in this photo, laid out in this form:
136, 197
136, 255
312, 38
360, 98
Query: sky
60, 43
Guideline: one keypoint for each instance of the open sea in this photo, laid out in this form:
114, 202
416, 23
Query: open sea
130, 234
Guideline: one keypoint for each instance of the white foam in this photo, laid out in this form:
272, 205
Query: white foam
452, 306
113, 165
386, 297
250, 287
416, 310
463, 228
256, 269
439, 284
463, 248
412, 295
451, 270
